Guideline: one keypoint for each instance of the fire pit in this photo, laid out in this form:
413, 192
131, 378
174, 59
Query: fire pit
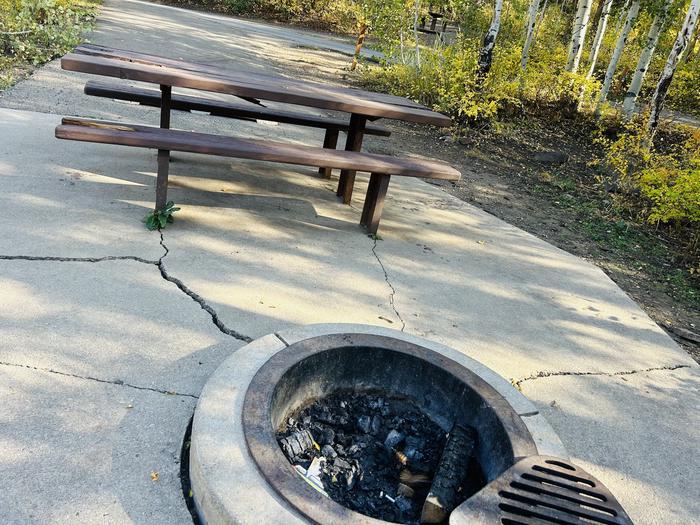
344, 365
356, 425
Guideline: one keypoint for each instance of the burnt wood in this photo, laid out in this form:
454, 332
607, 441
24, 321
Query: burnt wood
253, 86
162, 139
220, 108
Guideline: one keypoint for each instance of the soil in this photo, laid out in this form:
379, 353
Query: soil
538, 175
373, 454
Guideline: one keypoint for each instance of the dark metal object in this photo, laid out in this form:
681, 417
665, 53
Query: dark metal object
353, 143
319, 366
374, 201
330, 141
163, 154
542, 490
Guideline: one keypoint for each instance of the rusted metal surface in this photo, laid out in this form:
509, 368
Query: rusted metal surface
260, 411
541, 490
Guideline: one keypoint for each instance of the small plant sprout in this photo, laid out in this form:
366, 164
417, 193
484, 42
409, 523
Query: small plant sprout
158, 219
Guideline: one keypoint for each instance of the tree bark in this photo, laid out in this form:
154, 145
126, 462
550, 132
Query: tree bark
599, 34
486, 53
682, 40
358, 45
643, 62
578, 34
415, 31
619, 46
529, 32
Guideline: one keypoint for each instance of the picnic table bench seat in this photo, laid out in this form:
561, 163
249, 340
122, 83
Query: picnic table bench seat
231, 109
381, 167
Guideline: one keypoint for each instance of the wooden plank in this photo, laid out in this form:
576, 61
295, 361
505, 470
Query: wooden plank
219, 108
175, 140
145, 58
304, 94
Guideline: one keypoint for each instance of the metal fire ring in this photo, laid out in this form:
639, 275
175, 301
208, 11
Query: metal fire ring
263, 446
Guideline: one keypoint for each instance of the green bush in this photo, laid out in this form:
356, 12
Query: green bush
660, 183
35, 31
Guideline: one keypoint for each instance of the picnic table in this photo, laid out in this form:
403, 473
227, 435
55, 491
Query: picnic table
363, 107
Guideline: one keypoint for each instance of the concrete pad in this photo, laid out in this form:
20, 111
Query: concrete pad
58, 201
74, 452
637, 433
454, 274
115, 320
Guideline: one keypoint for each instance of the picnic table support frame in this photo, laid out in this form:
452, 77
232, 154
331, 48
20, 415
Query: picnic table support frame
374, 201
163, 154
330, 141
356, 133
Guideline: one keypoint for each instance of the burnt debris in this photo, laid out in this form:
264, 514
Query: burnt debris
380, 456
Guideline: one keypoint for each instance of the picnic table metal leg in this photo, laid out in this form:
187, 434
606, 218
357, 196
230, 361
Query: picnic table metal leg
374, 201
330, 141
354, 143
163, 154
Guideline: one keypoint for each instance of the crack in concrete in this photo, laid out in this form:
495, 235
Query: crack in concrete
163, 272
542, 374
77, 259
196, 297
391, 286
117, 382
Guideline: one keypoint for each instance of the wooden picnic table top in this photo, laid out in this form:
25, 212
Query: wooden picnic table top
144, 67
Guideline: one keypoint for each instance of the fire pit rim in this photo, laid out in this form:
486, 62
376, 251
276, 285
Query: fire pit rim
274, 466
227, 486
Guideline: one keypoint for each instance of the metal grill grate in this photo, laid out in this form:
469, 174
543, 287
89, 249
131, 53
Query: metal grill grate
542, 490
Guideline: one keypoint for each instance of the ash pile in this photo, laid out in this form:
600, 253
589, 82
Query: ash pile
382, 456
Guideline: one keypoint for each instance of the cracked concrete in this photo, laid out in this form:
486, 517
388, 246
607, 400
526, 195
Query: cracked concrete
259, 248
118, 382
517, 383
392, 295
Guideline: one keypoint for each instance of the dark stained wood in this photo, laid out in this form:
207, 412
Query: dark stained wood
163, 154
330, 141
244, 111
245, 85
374, 201
346, 182
176, 140
145, 58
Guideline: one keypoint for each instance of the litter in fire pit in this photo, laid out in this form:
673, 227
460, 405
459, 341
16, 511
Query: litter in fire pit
379, 455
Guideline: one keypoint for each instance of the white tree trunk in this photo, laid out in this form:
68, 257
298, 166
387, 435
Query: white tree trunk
619, 46
599, 34
529, 32
415, 31
486, 53
682, 40
578, 35
539, 19
643, 62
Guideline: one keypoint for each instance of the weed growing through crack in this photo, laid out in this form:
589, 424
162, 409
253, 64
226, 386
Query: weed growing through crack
160, 218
